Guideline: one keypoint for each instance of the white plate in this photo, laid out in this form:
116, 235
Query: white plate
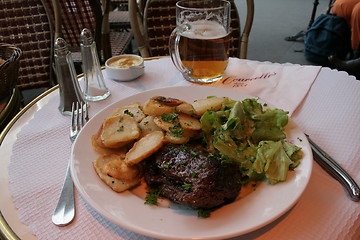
252, 212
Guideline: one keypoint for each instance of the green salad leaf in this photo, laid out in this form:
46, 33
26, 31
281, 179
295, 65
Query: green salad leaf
245, 133
273, 160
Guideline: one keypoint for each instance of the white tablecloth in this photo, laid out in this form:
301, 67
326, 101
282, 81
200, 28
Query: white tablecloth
327, 109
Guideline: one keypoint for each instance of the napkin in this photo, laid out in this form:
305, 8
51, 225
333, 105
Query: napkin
281, 85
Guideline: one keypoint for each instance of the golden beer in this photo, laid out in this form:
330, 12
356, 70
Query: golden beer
204, 50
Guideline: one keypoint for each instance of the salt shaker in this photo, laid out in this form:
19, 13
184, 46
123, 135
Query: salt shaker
94, 84
66, 76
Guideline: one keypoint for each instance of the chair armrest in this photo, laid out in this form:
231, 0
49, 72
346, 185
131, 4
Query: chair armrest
137, 27
247, 28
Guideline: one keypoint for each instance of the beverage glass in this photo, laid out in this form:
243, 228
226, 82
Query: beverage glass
199, 45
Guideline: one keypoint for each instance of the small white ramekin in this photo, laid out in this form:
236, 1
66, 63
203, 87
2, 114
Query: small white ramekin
124, 73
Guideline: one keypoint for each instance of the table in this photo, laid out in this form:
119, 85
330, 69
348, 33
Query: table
329, 112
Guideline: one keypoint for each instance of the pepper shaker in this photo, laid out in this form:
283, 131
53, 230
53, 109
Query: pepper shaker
94, 84
66, 76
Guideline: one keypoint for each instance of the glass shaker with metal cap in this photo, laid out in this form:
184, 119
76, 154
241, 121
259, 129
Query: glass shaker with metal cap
69, 88
94, 84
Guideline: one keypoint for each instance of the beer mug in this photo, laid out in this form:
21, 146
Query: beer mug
199, 45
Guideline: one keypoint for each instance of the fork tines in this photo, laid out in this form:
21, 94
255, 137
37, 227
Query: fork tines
79, 114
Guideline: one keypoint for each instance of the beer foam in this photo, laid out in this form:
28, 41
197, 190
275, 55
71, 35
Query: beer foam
203, 29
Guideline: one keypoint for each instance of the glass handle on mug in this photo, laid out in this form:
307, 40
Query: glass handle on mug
174, 49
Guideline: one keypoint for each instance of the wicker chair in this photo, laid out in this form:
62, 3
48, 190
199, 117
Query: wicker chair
152, 38
25, 24
70, 17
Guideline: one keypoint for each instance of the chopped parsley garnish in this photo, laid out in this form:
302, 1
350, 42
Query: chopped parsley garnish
152, 197
194, 153
128, 113
166, 165
203, 213
187, 186
169, 117
160, 98
121, 128
176, 130
183, 147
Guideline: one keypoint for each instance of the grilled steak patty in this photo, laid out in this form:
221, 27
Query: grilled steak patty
191, 176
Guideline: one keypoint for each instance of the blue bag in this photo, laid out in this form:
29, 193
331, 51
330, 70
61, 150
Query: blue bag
328, 35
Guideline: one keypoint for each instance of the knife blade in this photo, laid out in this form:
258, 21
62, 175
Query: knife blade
335, 170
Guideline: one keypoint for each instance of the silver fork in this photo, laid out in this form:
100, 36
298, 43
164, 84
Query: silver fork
64, 212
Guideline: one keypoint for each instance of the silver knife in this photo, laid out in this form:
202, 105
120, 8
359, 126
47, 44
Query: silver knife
336, 171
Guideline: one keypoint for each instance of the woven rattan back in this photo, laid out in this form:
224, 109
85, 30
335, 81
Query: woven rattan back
70, 17
25, 24
160, 19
